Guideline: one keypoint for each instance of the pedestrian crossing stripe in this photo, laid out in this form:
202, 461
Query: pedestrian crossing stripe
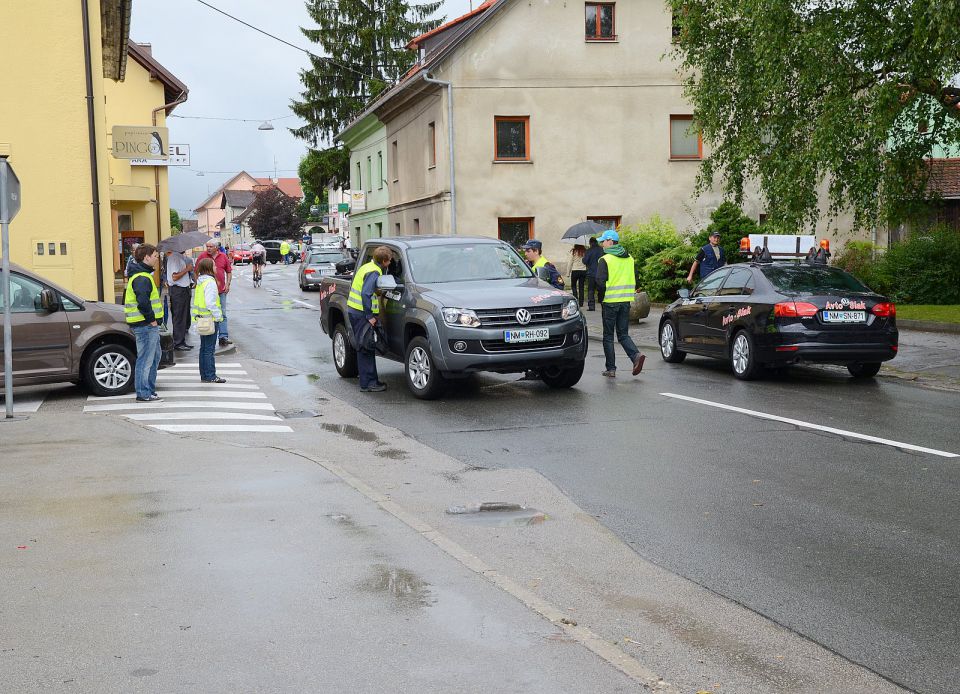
206, 386
164, 416
181, 394
116, 407
194, 378
221, 427
196, 365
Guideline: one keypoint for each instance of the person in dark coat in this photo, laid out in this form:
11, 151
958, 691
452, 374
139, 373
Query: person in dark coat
590, 260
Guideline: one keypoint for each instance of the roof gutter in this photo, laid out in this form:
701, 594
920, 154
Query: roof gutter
450, 140
92, 137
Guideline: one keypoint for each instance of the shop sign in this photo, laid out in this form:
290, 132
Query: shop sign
141, 141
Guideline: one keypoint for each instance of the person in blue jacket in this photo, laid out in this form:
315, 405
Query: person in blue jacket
709, 258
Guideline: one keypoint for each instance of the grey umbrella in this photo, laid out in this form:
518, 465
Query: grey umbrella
183, 242
582, 230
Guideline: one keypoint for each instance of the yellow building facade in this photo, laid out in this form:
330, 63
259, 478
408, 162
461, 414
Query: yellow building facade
63, 86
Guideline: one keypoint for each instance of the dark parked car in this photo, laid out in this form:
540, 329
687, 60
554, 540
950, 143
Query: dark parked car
775, 314
319, 264
452, 306
59, 337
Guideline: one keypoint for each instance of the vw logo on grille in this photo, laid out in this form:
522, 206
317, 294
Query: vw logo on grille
523, 316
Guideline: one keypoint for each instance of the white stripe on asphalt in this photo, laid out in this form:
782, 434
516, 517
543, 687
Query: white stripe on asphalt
164, 416
208, 386
196, 365
180, 394
25, 404
304, 303
195, 378
818, 427
221, 427
223, 405
195, 372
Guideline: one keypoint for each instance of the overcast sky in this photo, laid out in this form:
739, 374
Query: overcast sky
232, 72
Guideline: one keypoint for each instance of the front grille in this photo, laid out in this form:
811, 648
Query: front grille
502, 346
507, 317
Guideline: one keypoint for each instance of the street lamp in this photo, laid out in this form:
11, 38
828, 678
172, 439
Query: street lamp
265, 125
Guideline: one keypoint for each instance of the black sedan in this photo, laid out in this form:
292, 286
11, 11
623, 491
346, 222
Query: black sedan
771, 315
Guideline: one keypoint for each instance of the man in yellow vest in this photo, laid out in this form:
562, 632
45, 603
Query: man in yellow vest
144, 312
285, 252
617, 282
363, 309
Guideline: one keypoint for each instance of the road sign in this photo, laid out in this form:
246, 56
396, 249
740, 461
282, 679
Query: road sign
343, 207
10, 202
9, 206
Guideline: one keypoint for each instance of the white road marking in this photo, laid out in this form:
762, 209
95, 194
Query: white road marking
194, 378
304, 303
818, 427
180, 394
196, 365
164, 416
221, 427
194, 383
25, 404
223, 404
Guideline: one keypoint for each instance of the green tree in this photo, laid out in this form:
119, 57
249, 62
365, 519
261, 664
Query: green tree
175, 225
326, 167
732, 225
274, 215
364, 51
796, 94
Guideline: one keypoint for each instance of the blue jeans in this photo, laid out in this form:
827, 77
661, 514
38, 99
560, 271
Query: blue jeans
222, 325
148, 359
617, 317
366, 361
208, 349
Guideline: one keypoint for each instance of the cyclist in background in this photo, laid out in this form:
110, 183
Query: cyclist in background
259, 259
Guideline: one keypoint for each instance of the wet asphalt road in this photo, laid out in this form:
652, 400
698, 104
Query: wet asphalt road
851, 543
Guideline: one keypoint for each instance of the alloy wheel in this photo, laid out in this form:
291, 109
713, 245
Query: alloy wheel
666, 340
418, 366
741, 353
112, 370
339, 349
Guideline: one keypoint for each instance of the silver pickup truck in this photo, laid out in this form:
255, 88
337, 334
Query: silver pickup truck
452, 306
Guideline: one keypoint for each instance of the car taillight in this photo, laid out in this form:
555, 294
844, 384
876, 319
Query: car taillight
794, 309
885, 309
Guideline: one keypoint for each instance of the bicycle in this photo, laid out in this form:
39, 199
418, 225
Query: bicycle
257, 273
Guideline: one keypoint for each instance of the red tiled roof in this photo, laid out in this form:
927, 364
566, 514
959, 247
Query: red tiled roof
945, 177
452, 23
288, 186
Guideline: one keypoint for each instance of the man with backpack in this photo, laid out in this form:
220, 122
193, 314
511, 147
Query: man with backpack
533, 251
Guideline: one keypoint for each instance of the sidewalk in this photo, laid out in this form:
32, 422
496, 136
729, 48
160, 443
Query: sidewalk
929, 358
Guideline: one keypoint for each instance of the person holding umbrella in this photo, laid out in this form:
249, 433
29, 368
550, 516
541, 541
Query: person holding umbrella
590, 260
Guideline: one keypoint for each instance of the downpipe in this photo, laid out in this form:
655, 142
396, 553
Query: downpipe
450, 140
92, 137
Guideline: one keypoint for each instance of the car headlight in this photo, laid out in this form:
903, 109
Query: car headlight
571, 309
463, 317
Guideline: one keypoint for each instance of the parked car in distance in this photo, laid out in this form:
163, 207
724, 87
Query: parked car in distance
772, 314
319, 264
241, 254
273, 250
59, 337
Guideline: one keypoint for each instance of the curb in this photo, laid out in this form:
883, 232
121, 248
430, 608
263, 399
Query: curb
929, 326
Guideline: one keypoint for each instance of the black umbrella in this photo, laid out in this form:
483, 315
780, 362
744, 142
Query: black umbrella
582, 231
183, 242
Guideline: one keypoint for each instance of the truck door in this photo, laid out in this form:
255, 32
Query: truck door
392, 307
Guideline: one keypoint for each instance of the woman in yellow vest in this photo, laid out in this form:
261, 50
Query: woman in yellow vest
617, 281
363, 307
206, 304
144, 312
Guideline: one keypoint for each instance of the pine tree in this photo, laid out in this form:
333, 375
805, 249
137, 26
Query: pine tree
365, 41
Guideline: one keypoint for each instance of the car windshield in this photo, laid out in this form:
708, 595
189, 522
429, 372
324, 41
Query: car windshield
812, 280
466, 262
326, 257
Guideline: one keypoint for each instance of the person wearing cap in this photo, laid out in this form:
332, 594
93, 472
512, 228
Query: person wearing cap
709, 258
617, 281
533, 251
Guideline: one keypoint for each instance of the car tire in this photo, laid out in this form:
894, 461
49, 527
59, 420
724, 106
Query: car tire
273, 262
668, 343
344, 355
864, 369
422, 373
567, 378
743, 357
108, 370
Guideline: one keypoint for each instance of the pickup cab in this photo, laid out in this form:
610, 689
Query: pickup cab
453, 306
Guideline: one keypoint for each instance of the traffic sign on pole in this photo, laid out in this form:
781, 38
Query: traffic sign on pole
9, 206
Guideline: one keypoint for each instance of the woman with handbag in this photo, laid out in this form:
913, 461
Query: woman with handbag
206, 314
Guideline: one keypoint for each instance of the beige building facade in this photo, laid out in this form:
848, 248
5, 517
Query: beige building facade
555, 121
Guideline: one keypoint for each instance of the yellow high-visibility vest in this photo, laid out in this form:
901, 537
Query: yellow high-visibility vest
621, 280
199, 307
355, 300
130, 308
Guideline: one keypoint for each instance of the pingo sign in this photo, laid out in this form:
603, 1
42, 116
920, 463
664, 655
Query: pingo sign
140, 141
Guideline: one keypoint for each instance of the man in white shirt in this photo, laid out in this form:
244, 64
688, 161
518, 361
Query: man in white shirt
179, 268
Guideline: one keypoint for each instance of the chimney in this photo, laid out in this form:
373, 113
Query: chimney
147, 48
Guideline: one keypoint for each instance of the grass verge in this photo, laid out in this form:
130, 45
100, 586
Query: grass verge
940, 314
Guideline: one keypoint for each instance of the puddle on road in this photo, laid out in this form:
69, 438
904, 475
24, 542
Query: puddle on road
391, 453
406, 588
505, 519
351, 432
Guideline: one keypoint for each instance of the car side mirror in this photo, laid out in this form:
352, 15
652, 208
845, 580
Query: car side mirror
543, 274
684, 293
387, 283
49, 301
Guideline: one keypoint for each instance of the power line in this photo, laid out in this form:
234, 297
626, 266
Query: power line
244, 120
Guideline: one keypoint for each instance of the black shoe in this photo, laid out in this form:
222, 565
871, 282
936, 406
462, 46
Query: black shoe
214, 380
225, 342
152, 398
592, 308
375, 388
182, 348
